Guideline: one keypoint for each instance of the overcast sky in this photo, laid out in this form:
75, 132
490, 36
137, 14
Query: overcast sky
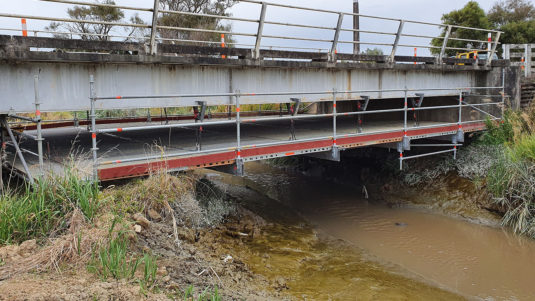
421, 10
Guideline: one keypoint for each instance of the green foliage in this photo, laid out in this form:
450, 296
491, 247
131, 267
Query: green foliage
511, 177
112, 259
471, 15
511, 11
521, 32
210, 7
373, 51
523, 149
38, 210
516, 18
206, 295
99, 31
498, 132
149, 273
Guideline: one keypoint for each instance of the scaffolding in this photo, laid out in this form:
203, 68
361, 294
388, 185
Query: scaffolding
238, 121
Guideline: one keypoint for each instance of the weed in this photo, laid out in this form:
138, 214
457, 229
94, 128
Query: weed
206, 295
149, 273
112, 259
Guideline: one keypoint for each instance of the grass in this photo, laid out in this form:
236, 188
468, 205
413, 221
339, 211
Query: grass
511, 176
36, 211
150, 268
206, 295
113, 260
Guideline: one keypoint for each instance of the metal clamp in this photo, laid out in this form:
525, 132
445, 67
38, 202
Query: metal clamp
362, 108
293, 110
417, 103
199, 117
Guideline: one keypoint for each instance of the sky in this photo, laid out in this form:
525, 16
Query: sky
420, 10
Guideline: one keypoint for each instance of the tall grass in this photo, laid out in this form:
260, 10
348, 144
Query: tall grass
36, 211
113, 259
206, 295
150, 268
511, 177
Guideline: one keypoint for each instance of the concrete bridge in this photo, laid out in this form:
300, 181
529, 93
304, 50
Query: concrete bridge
233, 105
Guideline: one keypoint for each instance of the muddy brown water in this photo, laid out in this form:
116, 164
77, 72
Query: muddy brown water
471, 260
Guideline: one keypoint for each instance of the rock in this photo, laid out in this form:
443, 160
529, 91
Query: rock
186, 235
141, 220
173, 286
146, 249
153, 215
162, 271
280, 283
228, 258
137, 228
166, 279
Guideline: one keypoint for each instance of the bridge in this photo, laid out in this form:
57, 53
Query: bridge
205, 104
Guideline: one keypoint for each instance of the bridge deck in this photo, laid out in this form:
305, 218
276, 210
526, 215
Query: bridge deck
62, 142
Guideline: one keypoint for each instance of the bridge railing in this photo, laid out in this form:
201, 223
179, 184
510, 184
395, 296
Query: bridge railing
324, 39
521, 55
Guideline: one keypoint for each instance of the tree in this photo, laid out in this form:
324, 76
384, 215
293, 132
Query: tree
510, 11
99, 32
471, 15
373, 51
516, 18
211, 7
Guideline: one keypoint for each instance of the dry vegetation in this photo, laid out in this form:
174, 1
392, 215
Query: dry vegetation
66, 224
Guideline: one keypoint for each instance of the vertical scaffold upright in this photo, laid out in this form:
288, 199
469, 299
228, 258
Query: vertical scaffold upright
93, 116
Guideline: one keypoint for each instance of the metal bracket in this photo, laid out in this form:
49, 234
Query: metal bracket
239, 169
362, 108
199, 117
460, 136
406, 143
293, 110
417, 103
76, 120
331, 155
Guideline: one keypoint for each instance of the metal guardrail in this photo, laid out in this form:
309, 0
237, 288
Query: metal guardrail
328, 45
